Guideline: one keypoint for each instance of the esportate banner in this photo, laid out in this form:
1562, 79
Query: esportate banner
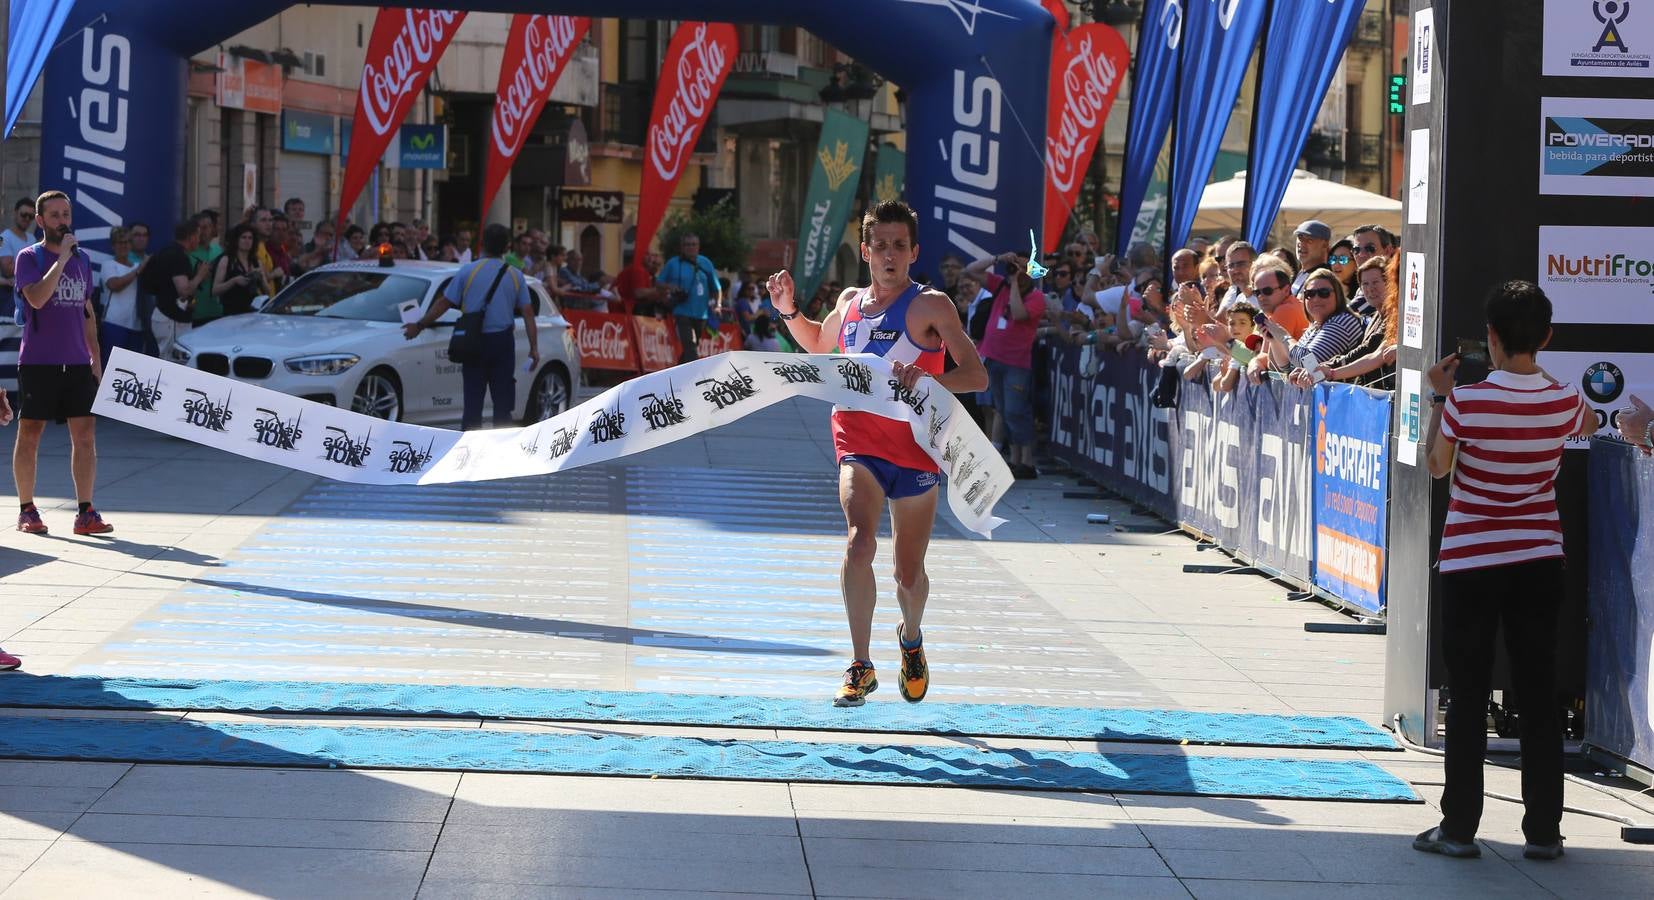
632, 417
402, 53
889, 173
1087, 66
1218, 38
1352, 483
1153, 89
833, 181
536, 55
698, 60
1301, 50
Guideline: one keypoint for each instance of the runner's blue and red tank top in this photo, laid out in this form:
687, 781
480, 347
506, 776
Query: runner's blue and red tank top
886, 335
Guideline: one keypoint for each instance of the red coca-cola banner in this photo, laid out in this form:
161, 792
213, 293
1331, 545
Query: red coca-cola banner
403, 51
728, 337
657, 346
697, 62
1087, 66
605, 340
536, 53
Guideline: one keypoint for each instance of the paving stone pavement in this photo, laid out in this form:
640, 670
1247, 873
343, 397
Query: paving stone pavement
708, 566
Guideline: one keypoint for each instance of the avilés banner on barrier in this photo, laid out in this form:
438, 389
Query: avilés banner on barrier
833, 181
1087, 66
889, 173
1153, 91
697, 62
1301, 52
402, 53
637, 415
536, 54
1218, 38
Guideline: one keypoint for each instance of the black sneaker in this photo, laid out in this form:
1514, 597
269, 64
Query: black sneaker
1434, 841
1024, 473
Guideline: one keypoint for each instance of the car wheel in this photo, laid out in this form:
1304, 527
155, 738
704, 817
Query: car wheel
379, 394
549, 396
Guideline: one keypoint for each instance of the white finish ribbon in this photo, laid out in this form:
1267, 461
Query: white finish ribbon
637, 415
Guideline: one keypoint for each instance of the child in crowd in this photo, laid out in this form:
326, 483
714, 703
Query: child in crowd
1500, 560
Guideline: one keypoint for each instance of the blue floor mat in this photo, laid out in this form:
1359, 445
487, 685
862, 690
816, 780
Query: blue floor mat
472, 750
711, 710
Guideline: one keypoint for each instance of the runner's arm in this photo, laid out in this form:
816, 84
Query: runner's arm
943, 316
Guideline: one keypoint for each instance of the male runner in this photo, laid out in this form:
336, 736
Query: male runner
878, 459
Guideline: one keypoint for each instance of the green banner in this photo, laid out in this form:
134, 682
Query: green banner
833, 182
889, 173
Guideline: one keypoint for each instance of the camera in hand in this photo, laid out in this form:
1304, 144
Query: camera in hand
1474, 362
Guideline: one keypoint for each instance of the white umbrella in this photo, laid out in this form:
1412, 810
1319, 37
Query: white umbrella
1342, 207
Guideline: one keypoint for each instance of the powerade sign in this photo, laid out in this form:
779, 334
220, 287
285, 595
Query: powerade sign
306, 132
1596, 147
1352, 473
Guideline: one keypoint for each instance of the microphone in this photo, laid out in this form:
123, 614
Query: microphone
68, 231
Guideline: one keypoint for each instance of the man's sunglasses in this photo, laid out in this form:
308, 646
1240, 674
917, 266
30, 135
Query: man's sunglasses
1340, 259
1368, 248
27, 217
1320, 293
1063, 273
1266, 291
1239, 264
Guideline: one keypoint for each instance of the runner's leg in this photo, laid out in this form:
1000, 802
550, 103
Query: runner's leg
24, 454
863, 501
911, 520
83, 456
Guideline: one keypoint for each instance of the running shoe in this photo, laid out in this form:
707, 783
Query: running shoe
8, 662
915, 674
859, 681
1547, 852
1436, 841
28, 521
90, 522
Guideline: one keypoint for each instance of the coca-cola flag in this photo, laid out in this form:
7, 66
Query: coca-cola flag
403, 51
1087, 66
697, 62
536, 53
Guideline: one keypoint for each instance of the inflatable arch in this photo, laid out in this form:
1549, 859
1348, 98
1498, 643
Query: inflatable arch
975, 73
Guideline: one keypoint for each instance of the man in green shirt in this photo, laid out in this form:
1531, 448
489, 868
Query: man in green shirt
522, 247
207, 250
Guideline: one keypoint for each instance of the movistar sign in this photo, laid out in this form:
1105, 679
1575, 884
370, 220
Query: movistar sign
419, 147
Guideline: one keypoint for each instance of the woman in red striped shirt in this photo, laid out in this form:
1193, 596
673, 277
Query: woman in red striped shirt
1501, 559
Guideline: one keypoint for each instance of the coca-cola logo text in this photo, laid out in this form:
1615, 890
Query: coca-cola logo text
601, 341
1088, 85
547, 43
387, 81
699, 69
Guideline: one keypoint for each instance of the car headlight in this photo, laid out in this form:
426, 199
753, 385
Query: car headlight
321, 364
181, 353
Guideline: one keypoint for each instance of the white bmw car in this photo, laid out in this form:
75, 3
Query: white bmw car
335, 336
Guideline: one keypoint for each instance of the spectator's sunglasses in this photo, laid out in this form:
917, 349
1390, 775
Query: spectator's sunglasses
1320, 293
1063, 273
1238, 264
1368, 248
26, 216
1077, 254
1267, 291
1339, 259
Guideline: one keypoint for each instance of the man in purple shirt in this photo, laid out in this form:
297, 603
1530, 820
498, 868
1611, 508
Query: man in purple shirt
58, 366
